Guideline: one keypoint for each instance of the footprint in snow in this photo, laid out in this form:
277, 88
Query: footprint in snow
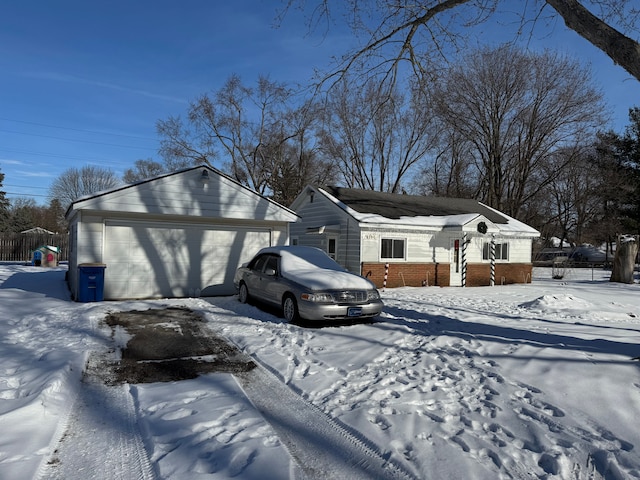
241, 460
178, 414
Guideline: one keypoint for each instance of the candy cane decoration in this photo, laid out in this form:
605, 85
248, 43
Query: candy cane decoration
386, 274
464, 260
493, 259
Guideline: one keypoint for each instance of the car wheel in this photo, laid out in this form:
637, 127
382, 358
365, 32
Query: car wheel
290, 309
243, 293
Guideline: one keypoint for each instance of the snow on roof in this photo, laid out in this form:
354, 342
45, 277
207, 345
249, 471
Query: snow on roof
38, 230
414, 210
514, 227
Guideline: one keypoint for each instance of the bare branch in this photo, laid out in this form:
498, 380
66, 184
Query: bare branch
621, 49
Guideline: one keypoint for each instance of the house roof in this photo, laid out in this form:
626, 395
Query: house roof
435, 212
396, 206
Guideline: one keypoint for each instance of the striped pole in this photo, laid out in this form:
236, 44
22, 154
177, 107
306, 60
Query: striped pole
386, 275
493, 259
464, 259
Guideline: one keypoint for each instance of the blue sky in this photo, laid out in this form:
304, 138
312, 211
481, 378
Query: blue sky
84, 82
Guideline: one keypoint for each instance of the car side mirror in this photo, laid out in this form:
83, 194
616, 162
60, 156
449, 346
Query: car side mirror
271, 272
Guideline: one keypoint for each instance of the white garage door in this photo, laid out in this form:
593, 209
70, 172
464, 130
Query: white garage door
153, 260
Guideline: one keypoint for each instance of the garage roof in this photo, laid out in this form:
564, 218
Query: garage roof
200, 191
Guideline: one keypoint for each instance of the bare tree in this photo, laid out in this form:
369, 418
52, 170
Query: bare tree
412, 31
572, 199
237, 123
74, 183
149, 168
516, 110
297, 162
451, 171
376, 138
180, 143
257, 132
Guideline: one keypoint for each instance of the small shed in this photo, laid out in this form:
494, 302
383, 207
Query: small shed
414, 240
45, 256
181, 234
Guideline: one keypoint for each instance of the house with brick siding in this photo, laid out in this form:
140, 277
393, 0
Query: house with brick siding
412, 240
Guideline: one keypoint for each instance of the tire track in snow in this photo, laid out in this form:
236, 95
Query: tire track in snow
321, 447
102, 417
491, 421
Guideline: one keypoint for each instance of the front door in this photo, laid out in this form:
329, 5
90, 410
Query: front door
455, 251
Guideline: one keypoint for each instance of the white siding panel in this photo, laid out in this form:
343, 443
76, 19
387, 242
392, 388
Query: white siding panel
185, 194
90, 238
474, 249
519, 249
370, 243
440, 244
322, 212
279, 235
420, 247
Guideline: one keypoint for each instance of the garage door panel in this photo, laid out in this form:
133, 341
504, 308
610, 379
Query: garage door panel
150, 261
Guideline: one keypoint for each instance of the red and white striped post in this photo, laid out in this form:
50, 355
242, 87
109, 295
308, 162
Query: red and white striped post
386, 275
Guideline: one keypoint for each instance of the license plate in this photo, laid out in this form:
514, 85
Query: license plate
354, 312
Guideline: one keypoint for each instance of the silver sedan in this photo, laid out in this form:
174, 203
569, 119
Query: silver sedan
307, 284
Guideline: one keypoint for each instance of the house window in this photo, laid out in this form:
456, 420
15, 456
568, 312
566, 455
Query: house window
392, 248
331, 247
502, 251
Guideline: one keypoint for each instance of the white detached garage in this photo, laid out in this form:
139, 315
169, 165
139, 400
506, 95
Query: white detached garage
177, 235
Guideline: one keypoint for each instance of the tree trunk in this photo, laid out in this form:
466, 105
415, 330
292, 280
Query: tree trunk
625, 260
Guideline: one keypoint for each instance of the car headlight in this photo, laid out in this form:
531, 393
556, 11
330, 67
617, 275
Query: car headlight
373, 295
317, 297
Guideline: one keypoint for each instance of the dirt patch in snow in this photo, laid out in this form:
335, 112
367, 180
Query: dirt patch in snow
163, 345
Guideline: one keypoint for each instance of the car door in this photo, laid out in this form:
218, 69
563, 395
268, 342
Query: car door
253, 277
273, 283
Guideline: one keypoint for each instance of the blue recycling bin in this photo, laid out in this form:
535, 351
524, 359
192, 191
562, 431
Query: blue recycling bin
91, 282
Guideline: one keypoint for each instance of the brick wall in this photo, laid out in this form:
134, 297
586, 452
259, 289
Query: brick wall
407, 274
437, 274
479, 274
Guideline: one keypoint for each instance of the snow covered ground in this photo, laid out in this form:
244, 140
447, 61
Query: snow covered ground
518, 381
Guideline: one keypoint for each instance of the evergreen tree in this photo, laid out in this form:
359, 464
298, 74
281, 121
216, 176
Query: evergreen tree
54, 217
5, 214
629, 154
618, 158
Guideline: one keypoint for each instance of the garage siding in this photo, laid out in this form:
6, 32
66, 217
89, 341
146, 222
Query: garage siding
159, 260
176, 235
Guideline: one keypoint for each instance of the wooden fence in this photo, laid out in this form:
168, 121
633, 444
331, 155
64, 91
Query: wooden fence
19, 247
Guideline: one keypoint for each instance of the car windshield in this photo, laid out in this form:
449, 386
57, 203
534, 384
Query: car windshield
307, 259
316, 270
